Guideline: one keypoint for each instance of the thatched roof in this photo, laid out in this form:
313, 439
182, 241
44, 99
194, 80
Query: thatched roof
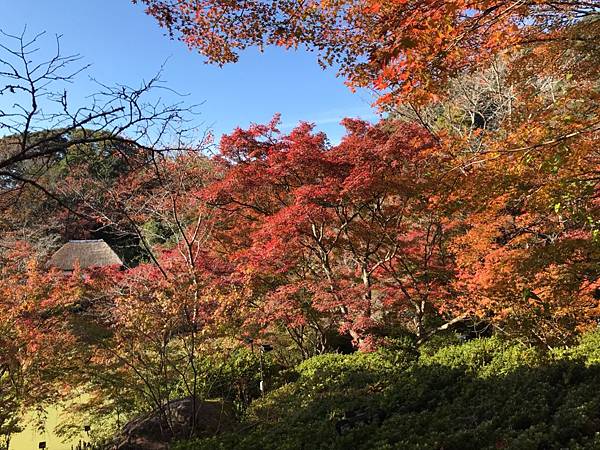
89, 253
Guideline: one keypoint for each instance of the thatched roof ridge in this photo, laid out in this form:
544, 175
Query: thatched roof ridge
87, 253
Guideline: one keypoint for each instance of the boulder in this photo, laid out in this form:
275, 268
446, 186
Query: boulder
152, 432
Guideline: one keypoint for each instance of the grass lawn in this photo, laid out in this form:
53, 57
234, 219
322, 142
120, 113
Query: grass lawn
30, 437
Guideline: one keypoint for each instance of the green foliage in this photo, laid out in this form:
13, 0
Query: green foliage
483, 357
155, 232
102, 157
587, 350
486, 393
236, 377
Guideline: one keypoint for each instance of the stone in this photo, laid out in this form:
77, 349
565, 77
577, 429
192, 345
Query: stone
152, 432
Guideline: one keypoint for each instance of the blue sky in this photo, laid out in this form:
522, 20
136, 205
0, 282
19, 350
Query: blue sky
124, 45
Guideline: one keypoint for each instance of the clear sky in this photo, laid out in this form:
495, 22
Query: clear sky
124, 45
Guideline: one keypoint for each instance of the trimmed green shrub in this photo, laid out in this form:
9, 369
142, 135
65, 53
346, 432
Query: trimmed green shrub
483, 394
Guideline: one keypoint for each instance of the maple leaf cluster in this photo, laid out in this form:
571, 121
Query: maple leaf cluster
399, 47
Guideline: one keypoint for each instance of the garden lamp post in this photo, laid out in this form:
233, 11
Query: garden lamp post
264, 348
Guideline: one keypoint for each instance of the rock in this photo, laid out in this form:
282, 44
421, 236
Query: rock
152, 432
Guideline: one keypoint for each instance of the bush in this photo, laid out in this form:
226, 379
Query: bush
484, 357
484, 394
236, 376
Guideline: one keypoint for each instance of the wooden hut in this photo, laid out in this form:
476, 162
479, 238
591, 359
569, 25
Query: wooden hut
86, 253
